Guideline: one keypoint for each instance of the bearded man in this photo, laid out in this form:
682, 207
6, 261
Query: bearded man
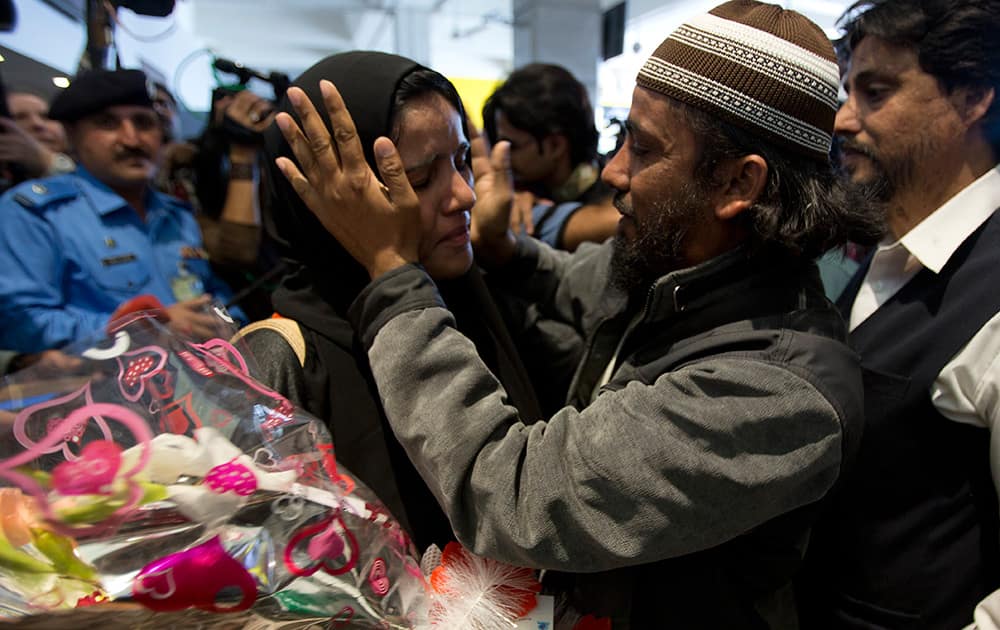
914, 540
716, 404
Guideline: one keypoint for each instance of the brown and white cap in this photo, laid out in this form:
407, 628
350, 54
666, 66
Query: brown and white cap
760, 67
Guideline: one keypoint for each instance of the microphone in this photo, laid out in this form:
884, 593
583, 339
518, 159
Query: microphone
232, 67
279, 80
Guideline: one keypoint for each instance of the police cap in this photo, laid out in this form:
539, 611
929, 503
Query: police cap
94, 90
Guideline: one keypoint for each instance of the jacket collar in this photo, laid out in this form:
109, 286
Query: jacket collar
771, 279
104, 201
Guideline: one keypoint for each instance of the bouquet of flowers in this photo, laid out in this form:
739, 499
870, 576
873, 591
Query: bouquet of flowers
155, 479
149, 481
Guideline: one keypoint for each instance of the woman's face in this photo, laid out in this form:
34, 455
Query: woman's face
435, 153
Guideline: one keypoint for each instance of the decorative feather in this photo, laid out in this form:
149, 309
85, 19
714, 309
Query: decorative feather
473, 593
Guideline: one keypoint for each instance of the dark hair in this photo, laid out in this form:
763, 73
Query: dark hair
544, 99
418, 84
956, 41
162, 87
805, 208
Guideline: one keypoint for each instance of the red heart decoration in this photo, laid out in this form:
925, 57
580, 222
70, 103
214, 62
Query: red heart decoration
378, 579
295, 550
137, 367
341, 619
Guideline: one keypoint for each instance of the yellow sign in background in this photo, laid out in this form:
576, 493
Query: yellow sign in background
474, 93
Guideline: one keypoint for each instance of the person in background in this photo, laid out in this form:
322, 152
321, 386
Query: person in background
218, 174
166, 108
74, 247
30, 141
717, 402
913, 540
545, 115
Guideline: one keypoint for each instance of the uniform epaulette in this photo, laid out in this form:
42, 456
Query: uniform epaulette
40, 193
179, 204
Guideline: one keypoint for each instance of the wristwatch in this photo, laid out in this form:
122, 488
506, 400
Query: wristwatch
61, 163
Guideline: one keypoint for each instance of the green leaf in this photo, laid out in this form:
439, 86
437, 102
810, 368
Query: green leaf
61, 550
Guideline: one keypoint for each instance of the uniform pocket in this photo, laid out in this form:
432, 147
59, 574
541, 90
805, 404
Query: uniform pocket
124, 274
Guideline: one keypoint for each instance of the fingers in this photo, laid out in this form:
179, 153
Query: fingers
199, 301
480, 157
297, 180
500, 165
390, 165
521, 216
310, 143
345, 135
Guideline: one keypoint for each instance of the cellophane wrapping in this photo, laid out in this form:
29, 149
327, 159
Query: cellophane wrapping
149, 481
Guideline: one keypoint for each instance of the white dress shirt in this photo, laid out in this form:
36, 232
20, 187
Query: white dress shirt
968, 388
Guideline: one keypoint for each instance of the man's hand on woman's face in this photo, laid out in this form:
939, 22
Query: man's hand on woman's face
492, 237
379, 225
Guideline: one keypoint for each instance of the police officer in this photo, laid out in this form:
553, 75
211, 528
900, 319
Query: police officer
74, 247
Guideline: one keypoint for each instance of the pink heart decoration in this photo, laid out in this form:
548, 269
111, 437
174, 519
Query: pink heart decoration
92, 473
137, 367
195, 364
103, 463
378, 579
72, 435
320, 555
232, 477
194, 578
326, 544
51, 414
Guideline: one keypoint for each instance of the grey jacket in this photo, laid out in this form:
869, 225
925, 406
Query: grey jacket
731, 406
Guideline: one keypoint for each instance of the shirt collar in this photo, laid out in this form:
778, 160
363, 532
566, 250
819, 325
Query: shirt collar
934, 240
105, 201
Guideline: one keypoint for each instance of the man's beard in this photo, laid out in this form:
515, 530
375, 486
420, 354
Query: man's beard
888, 177
657, 248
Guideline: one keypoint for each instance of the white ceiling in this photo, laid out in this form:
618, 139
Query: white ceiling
464, 38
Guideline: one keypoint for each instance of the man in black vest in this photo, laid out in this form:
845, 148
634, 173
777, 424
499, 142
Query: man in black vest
914, 541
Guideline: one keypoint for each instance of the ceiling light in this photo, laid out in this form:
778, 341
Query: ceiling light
60, 82
2, 59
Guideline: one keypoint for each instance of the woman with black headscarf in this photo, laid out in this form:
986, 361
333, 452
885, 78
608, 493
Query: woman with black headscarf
325, 369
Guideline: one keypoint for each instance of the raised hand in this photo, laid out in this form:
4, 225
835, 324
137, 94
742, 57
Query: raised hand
250, 111
379, 225
491, 216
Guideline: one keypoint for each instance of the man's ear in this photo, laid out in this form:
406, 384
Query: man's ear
973, 102
555, 145
739, 182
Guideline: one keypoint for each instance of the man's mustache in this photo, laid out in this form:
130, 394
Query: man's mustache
621, 205
857, 147
128, 154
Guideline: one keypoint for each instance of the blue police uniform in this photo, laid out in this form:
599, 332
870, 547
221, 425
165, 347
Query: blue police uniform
72, 250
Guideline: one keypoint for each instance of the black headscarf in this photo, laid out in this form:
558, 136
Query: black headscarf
324, 280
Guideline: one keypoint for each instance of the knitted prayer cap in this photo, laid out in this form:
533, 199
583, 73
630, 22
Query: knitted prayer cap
767, 70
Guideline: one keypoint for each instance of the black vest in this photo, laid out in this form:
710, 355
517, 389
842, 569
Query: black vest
912, 539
